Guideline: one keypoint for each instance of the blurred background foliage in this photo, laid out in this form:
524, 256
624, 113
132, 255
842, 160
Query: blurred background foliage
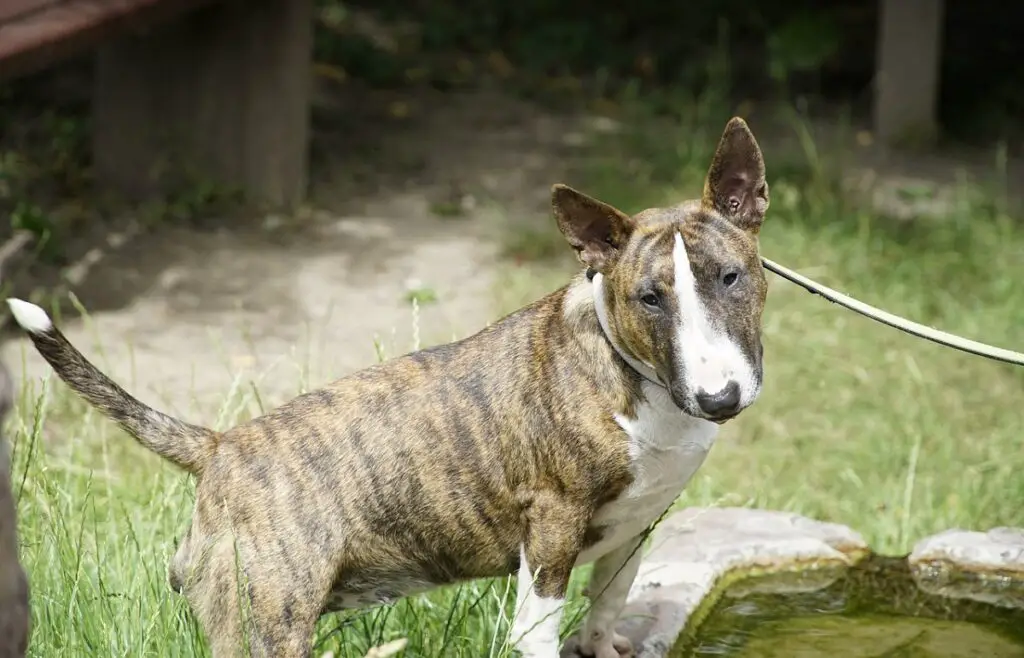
819, 51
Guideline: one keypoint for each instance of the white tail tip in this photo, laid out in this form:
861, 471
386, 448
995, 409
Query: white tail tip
31, 318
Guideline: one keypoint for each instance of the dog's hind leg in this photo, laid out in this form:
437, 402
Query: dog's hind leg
261, 609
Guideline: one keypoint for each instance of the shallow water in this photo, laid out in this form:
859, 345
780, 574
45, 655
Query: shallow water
874, 610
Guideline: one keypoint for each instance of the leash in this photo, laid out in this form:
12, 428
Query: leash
878, 315
895, 321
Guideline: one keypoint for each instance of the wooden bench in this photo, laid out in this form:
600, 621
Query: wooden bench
215, 91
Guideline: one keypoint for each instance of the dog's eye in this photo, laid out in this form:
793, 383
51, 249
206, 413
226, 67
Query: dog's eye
651, 300
730, 279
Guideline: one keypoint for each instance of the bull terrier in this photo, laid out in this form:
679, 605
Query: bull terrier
550, 439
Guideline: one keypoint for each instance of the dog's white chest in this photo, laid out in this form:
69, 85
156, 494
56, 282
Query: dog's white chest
667, 447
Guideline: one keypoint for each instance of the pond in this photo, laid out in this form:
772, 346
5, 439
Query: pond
875, 609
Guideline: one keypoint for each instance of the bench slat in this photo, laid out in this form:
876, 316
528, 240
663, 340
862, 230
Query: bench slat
35, 33
14, 8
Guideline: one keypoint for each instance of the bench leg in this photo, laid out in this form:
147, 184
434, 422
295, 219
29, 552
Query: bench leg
907, 72
220, 96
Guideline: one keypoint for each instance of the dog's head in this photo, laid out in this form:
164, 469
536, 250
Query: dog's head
681, 289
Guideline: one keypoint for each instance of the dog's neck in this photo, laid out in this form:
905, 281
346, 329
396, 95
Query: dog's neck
601, 309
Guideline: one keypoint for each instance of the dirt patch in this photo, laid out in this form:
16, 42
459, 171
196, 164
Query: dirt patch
402, 201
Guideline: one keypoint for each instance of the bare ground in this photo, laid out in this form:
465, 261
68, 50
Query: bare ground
182, 315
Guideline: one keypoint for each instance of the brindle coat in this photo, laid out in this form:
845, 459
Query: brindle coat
458, 461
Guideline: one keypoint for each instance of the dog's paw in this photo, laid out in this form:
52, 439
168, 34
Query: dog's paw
606, 645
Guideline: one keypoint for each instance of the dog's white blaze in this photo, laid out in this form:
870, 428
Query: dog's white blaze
30, 317
537, 619
709, 358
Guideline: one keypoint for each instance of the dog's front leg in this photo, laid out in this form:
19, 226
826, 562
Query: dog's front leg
610, 580
553, 541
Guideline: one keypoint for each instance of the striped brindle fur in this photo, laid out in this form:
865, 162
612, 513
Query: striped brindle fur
550, 439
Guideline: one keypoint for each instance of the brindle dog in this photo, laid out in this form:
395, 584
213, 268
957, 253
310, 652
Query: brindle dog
550, 439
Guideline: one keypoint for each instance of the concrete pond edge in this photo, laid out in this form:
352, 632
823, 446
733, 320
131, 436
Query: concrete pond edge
695, 554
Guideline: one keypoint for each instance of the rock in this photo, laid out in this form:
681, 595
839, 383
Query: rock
983, 566
693, 549
998, 550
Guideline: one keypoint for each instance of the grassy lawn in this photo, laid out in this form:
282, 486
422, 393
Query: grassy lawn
857, 423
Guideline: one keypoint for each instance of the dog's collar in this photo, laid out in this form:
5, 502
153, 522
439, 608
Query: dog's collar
597, 290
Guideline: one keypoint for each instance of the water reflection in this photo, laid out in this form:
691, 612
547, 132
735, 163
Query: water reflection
873, 610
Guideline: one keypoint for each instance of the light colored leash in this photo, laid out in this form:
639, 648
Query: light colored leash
878, 315
21, 239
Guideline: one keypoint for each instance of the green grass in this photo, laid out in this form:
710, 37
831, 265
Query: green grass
857, 423
98, 520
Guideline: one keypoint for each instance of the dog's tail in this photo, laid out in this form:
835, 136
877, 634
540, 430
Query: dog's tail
188, 446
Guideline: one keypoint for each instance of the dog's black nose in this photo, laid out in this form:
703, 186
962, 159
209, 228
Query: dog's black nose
723, 404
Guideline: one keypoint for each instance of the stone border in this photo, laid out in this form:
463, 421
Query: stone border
696, 552
982, 566
693, 551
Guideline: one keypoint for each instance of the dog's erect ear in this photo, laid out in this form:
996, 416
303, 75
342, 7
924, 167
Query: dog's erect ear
596, 230
736, 185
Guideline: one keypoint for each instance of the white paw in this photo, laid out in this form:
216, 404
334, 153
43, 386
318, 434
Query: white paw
606, 645
534, 643
538, 649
